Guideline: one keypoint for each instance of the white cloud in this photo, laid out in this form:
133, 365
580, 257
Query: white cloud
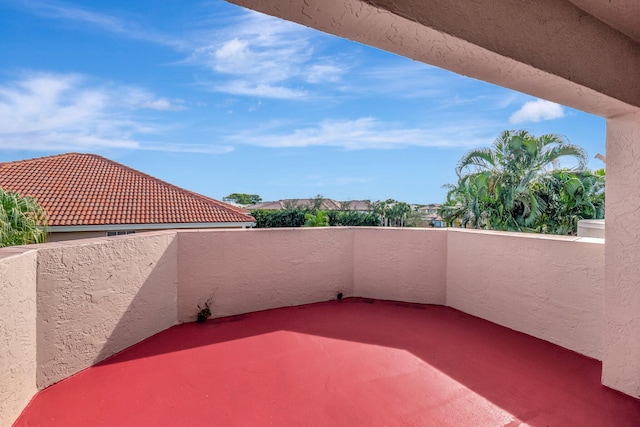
133, 97
262, 90
368, 133
321, 73
69, 112
506, 100
256, 55
110, 23
187, 148
163, 104
536, 111
257, 47
401, 80
262, 56
232, 56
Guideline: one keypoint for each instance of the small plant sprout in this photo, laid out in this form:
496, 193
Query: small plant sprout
205, 312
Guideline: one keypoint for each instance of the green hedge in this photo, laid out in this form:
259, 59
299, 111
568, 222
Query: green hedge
295, 218
353, 219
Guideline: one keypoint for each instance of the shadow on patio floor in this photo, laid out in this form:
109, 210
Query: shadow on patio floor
351, 362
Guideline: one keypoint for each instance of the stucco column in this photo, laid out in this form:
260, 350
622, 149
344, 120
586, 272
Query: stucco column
621, 331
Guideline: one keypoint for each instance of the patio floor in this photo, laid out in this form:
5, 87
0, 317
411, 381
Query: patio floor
354, 362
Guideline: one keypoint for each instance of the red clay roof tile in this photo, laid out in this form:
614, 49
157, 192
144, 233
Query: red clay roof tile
87, 189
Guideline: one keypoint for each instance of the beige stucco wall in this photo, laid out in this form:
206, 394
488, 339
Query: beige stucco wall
482, 39
97, 297
400, 264
258, 269
17, 331
548, 287
621, 359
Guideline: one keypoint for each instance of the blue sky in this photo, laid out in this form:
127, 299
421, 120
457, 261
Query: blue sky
219, 99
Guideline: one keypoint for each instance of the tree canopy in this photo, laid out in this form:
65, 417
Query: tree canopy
22, 220
517, 185
319, 219
392, 212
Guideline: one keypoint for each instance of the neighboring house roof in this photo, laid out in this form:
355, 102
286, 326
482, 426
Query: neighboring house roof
429, 207
87, 191
359, 205
267, 205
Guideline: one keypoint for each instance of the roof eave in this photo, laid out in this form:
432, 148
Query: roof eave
125, 227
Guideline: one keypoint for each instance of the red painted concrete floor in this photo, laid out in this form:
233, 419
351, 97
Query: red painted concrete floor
341, 363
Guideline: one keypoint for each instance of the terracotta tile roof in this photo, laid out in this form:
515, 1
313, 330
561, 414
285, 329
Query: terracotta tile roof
86, 189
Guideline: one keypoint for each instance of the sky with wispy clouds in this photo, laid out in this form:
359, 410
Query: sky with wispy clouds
219, 99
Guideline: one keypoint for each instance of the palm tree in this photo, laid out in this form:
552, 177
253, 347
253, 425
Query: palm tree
22, 220
468, 204
397, 213
495, 183
573, 196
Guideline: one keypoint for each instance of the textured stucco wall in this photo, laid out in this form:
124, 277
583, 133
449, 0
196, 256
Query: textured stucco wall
548, 287
621, 359
561, 39
261, 269
400, 264
258, 269
483, 39
98, 297
17, 331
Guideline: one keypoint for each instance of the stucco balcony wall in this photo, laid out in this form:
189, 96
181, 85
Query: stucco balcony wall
18, 331
406, 264
97, 297
242, 271
67, 306
550, 287
250, 270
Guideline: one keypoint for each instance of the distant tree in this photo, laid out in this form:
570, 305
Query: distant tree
397, 213
316, 202
243, 198
379, 208
22, 220
414, 219
392, 213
